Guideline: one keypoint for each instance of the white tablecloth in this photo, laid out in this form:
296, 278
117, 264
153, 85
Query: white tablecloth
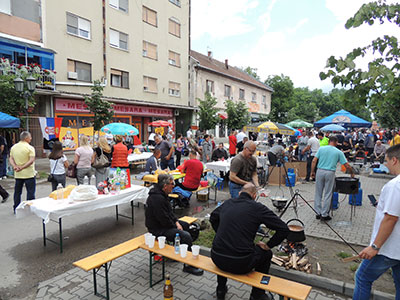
225, 165
139, 157
48, 208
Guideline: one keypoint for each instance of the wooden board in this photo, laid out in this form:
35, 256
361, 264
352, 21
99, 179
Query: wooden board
100, 258
188, 220
276, 285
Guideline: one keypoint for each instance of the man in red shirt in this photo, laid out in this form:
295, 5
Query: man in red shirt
232, 143
194, 170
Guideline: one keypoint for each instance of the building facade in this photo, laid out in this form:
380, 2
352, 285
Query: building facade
225, 82
138, 50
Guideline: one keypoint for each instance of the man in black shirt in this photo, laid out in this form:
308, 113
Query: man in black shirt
236, 223
219, 153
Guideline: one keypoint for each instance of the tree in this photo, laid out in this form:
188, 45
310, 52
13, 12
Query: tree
378, 85
102, 110
238, 114
207, 112
282, 97
252, 72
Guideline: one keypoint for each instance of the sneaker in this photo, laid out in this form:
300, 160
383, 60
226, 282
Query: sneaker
192, 270
318, 217
4, 177
327, 218
6, 198
221, 293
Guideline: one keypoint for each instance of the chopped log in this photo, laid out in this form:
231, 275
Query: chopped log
303, 261
285, 258
308, 271
318, 269
278, 258
351, 258
294, 261
277, 261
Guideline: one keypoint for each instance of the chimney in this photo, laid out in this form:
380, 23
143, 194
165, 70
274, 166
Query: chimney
226, 64
209, 55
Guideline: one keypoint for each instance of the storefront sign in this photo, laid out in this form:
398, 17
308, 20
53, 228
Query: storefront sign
68, 105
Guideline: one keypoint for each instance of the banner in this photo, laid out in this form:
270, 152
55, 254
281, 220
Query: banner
69, 138
50, 127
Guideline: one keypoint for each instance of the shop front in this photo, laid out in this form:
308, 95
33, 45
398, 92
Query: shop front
77, 119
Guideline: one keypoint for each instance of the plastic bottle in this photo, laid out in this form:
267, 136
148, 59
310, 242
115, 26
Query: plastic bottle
117, 187
60, 192
93, 180
168, 289
86, 180
177, 243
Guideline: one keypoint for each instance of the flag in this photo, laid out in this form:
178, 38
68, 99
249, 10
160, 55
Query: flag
50, 127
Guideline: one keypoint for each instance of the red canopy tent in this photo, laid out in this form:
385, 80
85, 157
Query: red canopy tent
160, 123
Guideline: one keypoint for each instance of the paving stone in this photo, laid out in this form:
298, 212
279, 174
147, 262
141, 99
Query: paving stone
42, 292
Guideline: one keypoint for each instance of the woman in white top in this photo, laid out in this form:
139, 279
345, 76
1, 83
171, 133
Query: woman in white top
58, 163
83, 160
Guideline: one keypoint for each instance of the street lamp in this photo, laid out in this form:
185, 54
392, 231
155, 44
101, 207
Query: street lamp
19, 87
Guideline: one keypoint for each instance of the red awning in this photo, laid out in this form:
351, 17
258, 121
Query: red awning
223, 115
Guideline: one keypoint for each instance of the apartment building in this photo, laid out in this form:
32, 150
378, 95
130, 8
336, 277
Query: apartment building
225, 82
138, 50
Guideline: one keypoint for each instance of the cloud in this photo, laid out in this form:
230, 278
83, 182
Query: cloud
265, 19
297, 26
222, 18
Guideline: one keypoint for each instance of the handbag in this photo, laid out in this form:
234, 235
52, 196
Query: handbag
51, 178
100, 161
71, 171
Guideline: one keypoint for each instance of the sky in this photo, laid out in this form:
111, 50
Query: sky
290, 37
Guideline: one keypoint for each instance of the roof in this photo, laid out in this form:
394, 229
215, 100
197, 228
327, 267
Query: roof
213, 65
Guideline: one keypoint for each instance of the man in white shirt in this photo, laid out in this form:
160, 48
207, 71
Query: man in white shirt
313, 146
240, 136
383, 252
151, 139
189, 133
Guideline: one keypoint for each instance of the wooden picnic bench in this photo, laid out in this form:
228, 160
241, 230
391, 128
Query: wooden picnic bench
285, 288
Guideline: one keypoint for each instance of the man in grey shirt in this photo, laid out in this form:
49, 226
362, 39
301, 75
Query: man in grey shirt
379, 152
206, 149
302, 142
276, 152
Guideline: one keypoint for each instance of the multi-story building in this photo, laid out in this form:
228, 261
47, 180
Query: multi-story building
139, 51
225, 82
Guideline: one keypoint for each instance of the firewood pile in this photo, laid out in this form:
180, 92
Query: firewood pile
292, 261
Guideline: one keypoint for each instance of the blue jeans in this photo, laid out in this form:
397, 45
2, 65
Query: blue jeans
30, 184
234, 189
167, 164
303, 157
3, 167
370, 270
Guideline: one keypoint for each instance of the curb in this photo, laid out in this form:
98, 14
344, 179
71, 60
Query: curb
316, 281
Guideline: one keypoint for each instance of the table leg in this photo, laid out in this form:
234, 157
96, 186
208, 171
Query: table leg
44, 233
116, 211
61, 236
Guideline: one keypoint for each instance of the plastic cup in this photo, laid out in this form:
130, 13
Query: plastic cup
183, 250
161, 242
146, 238
152, 239
195, 251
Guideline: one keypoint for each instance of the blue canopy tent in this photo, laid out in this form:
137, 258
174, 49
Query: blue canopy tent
343, 118
7, 121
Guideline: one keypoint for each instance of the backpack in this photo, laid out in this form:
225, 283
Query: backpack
101, 161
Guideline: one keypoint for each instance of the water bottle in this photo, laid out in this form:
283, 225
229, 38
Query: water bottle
177, 243
118, 186
60, 192
85, 180
93, 180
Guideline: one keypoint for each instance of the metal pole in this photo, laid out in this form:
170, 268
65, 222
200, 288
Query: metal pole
26, 95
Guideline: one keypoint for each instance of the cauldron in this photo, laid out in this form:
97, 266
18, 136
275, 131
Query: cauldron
296, 232
346, 185
279, 202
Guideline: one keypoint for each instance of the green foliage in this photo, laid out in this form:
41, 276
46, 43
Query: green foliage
282, 97
206, 237
11, 101
378, 85
252, 72
207, 112
353, 267
102, 110
343, 254
238, 114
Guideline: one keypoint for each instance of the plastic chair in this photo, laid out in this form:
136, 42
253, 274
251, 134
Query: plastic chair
220, 184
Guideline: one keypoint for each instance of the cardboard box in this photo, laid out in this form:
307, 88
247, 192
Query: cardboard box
299, 166
274, 176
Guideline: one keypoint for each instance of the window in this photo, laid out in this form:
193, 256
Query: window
264, 101
174, 58
176, 2
210, 86
149, 16
149, 84
149, 50
5, 6
253, 97
120, 4
78, 26
174, 27
174, 89
118, 39
227, 91
119, 79
83, 70
241, 94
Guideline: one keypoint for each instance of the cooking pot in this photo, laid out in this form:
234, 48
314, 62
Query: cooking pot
279, 202
346, 185
296, 233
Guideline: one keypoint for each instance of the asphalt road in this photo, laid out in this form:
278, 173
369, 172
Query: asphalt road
25, 261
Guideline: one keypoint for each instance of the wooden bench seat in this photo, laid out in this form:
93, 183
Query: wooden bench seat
285, 288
